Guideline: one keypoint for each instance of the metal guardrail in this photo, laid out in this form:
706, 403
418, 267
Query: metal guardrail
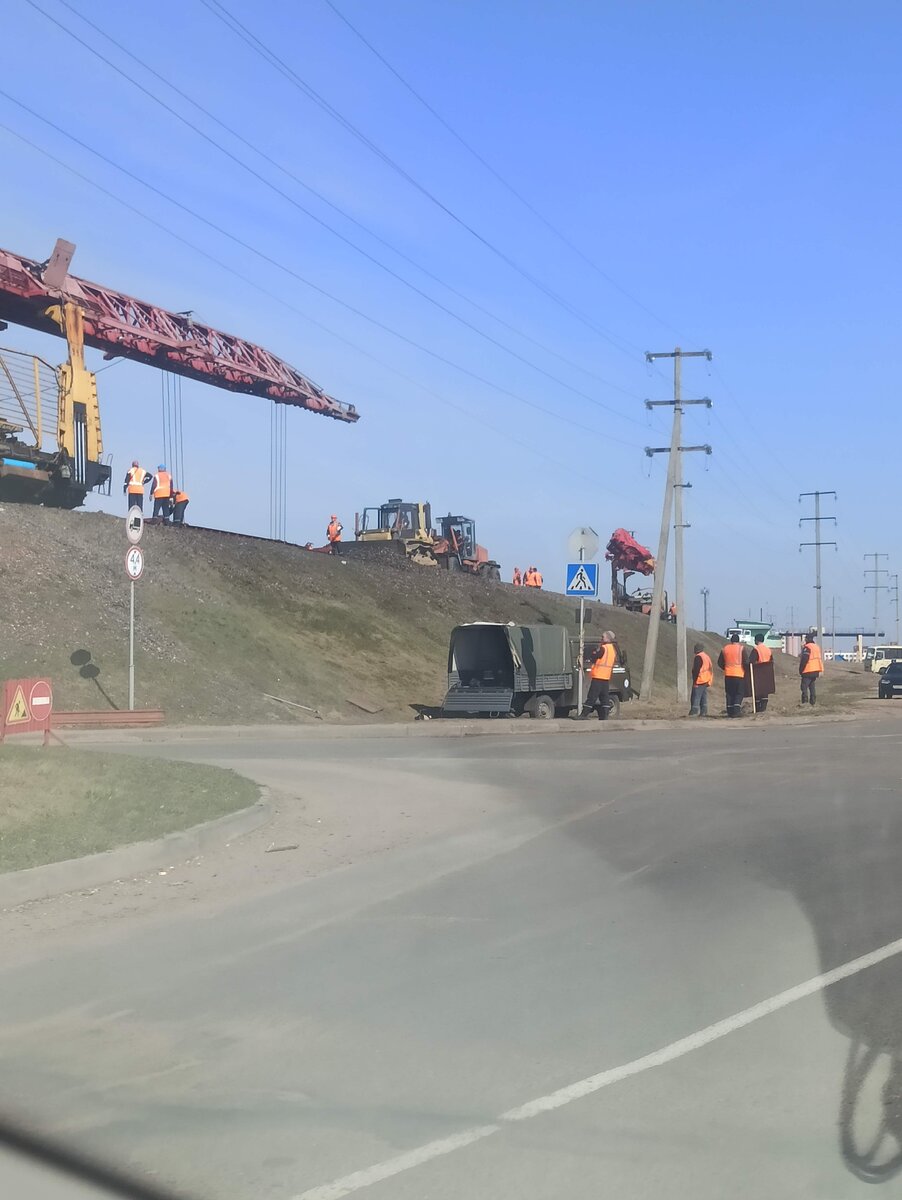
140, 718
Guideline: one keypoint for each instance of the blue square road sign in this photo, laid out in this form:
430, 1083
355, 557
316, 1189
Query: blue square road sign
582, 580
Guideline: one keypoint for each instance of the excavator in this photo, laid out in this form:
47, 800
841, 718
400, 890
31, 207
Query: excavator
627, 558
401, 527
45, 297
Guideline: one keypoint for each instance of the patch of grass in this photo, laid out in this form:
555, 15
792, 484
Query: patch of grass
60, 803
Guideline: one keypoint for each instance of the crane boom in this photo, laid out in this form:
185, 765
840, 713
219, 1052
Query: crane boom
122, 326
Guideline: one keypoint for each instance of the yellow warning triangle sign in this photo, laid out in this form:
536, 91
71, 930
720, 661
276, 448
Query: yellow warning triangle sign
18, 710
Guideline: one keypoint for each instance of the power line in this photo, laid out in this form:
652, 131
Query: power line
227, 18
281, 266
296, 204
494, 172
509, 439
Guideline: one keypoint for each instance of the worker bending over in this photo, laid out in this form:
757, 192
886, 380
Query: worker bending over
702, 678
600, 674
732, 660
333, 533
179, 504
811, 665
161, 490
136, 478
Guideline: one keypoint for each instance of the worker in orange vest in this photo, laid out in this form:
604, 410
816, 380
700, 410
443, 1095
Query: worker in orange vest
732, 661
532, 578
180, 500
161, 490
672, 614
811, 665
702, 678
333, 533
600, 673
136, 478
517, 581
761, 654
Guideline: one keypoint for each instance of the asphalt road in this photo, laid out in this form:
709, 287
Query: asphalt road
591, 988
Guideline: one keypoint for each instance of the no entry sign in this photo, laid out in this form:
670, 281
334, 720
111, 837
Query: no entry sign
26, 707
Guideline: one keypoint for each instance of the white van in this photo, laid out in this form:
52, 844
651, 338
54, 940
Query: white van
878, 658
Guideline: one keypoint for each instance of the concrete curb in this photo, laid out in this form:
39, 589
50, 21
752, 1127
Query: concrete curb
76, 874
437, 728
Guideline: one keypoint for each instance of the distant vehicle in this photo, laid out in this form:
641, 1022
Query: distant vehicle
890, 683
515, 670
878, 658
405, 527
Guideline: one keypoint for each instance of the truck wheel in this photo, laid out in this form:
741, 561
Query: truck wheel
492, 573
614, 706
541, 708
453, 563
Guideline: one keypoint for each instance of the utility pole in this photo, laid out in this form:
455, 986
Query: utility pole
705, 593
833, 627
894, 588
876, 570
673, 501
817, 543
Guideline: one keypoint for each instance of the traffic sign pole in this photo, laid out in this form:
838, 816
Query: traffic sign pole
582, 642
131, 650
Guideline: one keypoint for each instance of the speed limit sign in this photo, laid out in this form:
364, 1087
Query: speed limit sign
134, 563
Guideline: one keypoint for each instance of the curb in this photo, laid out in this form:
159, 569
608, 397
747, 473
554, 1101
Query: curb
76, 874
437, 728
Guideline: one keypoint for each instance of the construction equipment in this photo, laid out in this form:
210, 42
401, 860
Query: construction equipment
45, 297
396, 527
456, 549
405, 527
628, 557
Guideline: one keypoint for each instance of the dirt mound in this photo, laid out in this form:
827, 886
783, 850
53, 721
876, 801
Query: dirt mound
222, 620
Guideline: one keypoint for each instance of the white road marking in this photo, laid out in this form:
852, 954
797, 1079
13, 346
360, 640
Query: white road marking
594, 1083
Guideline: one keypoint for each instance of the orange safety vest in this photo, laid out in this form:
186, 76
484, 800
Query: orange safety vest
162, 485
537, 579
815, 663
518, 582
333, 533
706, 672
764, 653
733, 666
529, 579
603, 667
180, 496
136, 480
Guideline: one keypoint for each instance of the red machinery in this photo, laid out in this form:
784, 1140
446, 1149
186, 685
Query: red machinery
628, 557
122, 326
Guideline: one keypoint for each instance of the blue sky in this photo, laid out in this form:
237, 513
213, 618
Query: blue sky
732, 172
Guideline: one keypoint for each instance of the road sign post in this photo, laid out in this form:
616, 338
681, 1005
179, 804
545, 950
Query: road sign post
582, 580
134, 569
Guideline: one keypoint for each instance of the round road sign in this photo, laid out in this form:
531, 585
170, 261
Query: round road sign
134, 524
134, 563
40, 700
583, 539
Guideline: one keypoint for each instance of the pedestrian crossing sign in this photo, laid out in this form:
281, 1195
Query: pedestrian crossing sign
582, 579
18, 710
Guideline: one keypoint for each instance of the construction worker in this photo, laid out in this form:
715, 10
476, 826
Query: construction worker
179, 504
533, 578
760, 655
333, 533
161, 490
136, 478
702, 678
600, 674
732, 660
811, 665
517, 581
672, 614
